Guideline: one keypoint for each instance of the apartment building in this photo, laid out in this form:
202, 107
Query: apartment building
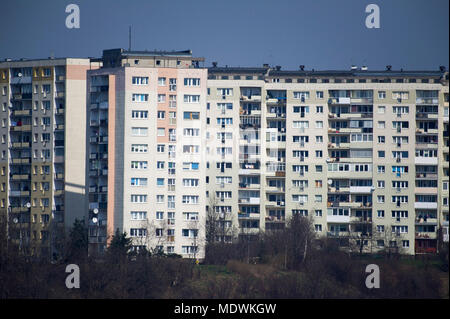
145, 150
361, 152
43, 120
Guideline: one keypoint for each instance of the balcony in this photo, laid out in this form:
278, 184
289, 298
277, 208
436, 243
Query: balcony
249, 186
425, 205
426, 160
426, 235
361, 189
251, 98
426, 175
341, 189
59, 192
338, 219
249, 200
22, 112
275, 204
20, 177
275, 219
274, 189
20, 145
339, 145
426, 221
20, 128
339, 100
427, 101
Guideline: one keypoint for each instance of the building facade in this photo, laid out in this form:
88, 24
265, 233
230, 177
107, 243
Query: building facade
152, 144
43, 122
146, 171
363, 153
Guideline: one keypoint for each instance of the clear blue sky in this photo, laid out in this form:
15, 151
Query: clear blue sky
321, 34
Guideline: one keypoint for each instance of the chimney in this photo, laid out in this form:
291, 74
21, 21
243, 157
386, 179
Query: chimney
302, 67
214, 64
388, 67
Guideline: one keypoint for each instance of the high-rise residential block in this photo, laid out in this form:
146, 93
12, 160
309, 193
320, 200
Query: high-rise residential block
145, 142
43, 120
361, 152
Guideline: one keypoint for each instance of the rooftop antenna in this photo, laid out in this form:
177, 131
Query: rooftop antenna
129, 38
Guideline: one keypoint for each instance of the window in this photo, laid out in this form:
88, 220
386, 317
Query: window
190, 199
381, 154
381, 109
139, 80
160, 199
380, 213
161, 115
190, 182
191, 132
380, 228
318, 228
191, 82
139, 164
139, 97
139, 114
380, 199
191, 115
381, 124
160, 164
400, 95
160, 182
381, 95
138, 232
303, 95
135, 215
137, 181
139, 131
138, 198
381, 169
172, 85
161, 131
225, 92
191, 149
139, 148
319, 94
162, 81
319, 124
191, 98
161, 98
380, 184
319, 109
319, 139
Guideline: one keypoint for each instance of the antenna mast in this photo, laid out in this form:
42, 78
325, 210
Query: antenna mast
129, 38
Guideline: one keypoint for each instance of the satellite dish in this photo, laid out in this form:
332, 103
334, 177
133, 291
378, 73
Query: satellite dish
95, 220
28, 205
15, 220
95, 210
330, 181
19, 75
